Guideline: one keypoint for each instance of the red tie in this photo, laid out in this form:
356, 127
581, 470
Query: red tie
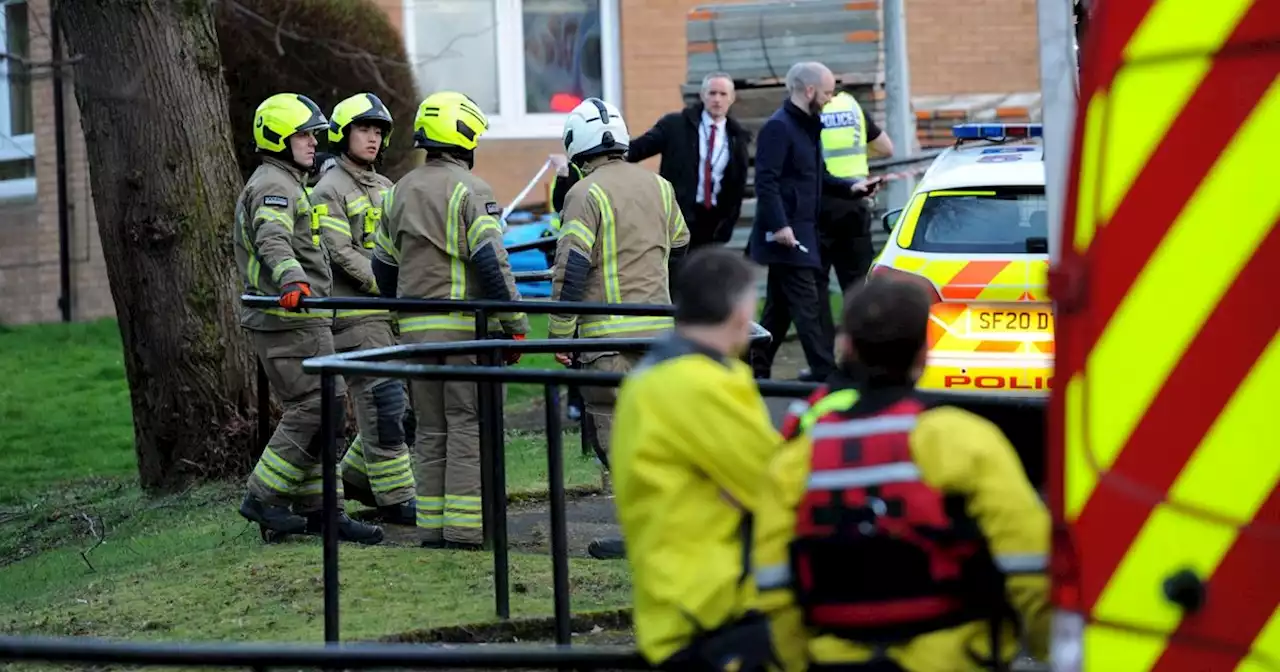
706, 171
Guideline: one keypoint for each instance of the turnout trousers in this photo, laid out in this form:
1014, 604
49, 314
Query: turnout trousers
376, 466
601, 400
446, 456
289, 470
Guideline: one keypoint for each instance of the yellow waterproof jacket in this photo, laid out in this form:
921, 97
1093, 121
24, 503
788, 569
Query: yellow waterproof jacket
691, 441
956, 452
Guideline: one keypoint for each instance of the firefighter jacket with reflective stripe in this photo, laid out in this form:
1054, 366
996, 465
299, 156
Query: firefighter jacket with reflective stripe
953, 451
844, 137
348, 199
277, 242
619, 226
440, 229
691, 441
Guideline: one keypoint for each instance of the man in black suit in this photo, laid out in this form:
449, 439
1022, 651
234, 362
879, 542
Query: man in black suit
704, 156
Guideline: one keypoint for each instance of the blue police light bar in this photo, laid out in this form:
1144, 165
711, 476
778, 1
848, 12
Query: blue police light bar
996, 131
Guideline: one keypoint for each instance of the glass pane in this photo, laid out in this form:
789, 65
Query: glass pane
561, 54
17, 43
997, 221
456, 44
17, 169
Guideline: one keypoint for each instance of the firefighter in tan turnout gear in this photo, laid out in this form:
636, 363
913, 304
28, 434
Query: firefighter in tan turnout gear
620, 229
440, 239
279, 251
348, 197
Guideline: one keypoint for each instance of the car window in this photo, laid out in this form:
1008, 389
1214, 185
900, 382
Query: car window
995, 221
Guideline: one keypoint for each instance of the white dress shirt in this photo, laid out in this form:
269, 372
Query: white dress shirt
719, 157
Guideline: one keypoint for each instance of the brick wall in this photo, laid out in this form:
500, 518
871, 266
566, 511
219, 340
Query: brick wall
29, 271
974, 46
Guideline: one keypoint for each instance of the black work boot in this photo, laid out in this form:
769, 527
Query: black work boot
359, 493
348, 529
404, 513
271, 516
607, 549
447, 545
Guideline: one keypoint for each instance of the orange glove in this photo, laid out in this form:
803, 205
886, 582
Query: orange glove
513, 356
291, 295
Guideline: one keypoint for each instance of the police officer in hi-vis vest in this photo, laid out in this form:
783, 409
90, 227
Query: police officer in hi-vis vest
844, 226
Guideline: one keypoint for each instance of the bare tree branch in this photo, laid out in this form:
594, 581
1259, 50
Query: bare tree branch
93, 530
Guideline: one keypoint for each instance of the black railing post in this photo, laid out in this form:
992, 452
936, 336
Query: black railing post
559, 528
486, 443
497, 429
264, 405
329, 472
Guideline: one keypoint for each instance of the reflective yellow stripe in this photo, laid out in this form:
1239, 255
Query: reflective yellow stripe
622, 324
276, 473
462, 511
358, 205
387, 245
670, 208
354, 459
453, 229
253, 271
1145, 100
336, 225
840, 400
561, 327
390, 475
450, 322
274, 216
284, 266
359, 313
1086, 185
1127, 362
907, 230
580, 231
483, 224
609, 253
430, 511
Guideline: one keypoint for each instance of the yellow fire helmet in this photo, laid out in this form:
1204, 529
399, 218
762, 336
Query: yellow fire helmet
364, 107
282, 115
448, 119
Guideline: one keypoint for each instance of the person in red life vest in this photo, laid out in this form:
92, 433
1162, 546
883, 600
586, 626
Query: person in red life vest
892, 535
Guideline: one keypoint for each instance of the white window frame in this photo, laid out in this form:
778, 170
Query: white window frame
13, 148
512, 122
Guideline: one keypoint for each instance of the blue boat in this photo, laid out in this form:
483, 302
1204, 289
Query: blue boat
529, 260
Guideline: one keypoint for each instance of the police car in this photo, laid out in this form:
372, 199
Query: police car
976, 229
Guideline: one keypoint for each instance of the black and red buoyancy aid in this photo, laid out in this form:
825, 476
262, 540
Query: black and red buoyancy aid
879, 555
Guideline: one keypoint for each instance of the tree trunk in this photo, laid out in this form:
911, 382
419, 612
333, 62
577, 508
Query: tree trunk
153, 106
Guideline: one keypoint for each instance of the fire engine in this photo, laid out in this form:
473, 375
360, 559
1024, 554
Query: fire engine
1163, 464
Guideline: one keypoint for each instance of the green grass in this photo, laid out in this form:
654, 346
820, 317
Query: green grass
187, 568
83, 551
64, 406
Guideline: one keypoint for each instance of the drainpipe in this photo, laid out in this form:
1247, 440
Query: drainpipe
60, 148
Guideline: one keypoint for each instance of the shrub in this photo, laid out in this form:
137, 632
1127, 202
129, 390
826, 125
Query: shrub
324, 49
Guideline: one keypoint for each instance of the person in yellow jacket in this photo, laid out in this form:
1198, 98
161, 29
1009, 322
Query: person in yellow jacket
622, 229
440, 239
375, 469
692, 440
891, 535
279, 251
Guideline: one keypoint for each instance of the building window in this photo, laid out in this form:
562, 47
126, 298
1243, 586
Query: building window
524, 62
17, 123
